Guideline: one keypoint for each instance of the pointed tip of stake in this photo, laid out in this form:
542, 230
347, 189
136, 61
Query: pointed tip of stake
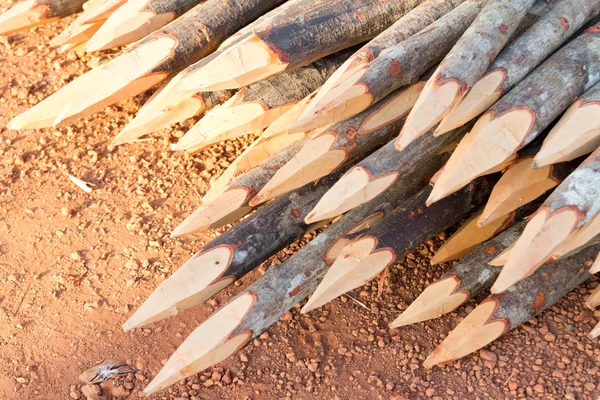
594, 333
210, 343
24, 15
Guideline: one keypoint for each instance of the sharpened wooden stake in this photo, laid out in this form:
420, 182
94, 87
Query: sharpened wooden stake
31, 13
280, 288
462, 282
479, 45
255, 107
390, 61
231, 255
342, 144
313, 30
76, 34
576, 134
596, 266
144, 64
520, 58
594, 333
392, 238
99, 11
377, 172
593, 300
570, 209
499, 314
521, 184
135, 20
525, 112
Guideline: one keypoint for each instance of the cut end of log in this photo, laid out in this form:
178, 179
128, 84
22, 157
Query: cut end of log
24, 15
247, 62
356, 187
490, 143
482, 96
476, 331
433, 104
577, 133
519, 185
209, 344
594, 333
192, 284
540, 237
438, 299
226, 208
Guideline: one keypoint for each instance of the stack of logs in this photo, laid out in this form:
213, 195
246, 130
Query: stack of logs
385, 122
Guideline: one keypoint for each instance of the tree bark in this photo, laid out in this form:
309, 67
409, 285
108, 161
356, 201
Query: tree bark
61, 8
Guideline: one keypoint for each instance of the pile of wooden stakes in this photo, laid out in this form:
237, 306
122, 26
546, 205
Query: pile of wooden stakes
404, 118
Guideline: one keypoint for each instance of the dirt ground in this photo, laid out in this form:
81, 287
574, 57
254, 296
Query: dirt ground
74, 266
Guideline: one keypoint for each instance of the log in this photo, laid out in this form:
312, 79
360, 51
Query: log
232, 203
521, 183
335, 103
593, 300
137, 19
342, 144
278, 290
471, 234
464, 65
375, 174
256, 106
501, 313
526, 111
518, 59
231, 255
467, 279
100, 11
576, 134
31, 13
316, 29
393, 237
146, 63
567, 220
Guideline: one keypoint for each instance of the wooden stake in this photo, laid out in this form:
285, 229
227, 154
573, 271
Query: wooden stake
571, 208
576, 134
278, 290
518, 59
232, 255
499, 314
31, 13
342, 144
232, 203
99, 11
399, 65
312, 30
522, 114
392, 238
462, 282
76, 34
144, 64
594, 333
255, 107
596, 267
376, 173
521, 184
137, 19
464, 65
593, 300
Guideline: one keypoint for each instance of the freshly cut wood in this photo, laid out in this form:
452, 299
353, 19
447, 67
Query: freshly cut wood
345, 94
231, 255
146, 63
464, 65
593, 300
569, 216
499, 314
522, 114
393, 237
30, 13
99, 11
255, 107
232, 202
342, 144
137, 19
576, 134
596, 267
313, 30
76, 34
521, 184
594, 333
471, 234
518, 59
278, 290
273, 140
376, 173
462, 282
